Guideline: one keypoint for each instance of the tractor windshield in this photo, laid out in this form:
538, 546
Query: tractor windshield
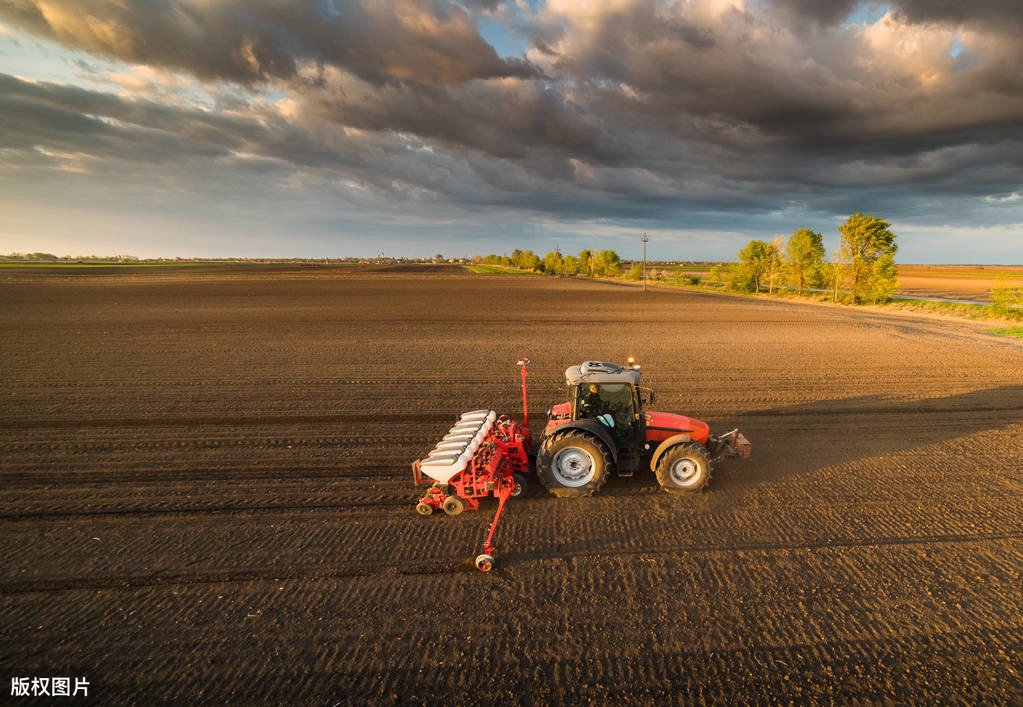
613, 399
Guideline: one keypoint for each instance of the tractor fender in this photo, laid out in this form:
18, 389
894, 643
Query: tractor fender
665, 446
593, 427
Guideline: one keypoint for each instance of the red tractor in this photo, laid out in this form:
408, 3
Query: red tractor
602, 428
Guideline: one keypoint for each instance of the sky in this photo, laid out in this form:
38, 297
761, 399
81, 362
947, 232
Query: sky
330, 128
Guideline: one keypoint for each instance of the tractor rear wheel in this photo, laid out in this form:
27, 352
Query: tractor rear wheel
572, 463
684, 468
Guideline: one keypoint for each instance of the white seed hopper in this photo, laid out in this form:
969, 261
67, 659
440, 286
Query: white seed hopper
453, 453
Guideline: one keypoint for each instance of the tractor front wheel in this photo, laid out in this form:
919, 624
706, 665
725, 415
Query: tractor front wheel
572, 463
684, 468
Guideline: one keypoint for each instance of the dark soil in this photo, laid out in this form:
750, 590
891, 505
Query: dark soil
205, 496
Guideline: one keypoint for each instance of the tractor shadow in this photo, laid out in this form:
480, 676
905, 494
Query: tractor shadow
803, 439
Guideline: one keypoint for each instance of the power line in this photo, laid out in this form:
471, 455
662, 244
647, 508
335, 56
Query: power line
645, 241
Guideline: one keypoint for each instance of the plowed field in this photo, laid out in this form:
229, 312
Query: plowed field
205, 496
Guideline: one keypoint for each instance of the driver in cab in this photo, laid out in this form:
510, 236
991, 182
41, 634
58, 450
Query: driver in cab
593, 406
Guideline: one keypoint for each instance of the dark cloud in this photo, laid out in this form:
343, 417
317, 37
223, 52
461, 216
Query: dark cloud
511, 119
823, 11
833, 90
255, 40
113, 135
994, 13
1004, 14
489, 5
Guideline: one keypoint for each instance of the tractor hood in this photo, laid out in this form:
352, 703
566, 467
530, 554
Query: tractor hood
661, 425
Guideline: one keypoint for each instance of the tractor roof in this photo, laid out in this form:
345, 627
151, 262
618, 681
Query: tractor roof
601, 372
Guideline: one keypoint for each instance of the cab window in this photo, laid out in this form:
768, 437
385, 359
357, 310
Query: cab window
606, 398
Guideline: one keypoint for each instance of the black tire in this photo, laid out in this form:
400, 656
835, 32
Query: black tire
521, 487
453, 505
424, 509
685, 468
572, 463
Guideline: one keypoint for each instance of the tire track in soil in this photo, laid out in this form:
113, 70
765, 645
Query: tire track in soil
364, 569
224, 421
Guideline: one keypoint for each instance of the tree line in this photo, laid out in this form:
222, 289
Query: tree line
589, 263
863, 265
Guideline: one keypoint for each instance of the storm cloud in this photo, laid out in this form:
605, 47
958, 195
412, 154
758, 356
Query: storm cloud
632, 109
254, 40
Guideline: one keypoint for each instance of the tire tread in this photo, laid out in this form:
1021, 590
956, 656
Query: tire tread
565, 491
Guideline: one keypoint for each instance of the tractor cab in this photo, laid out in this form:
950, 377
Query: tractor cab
609, 395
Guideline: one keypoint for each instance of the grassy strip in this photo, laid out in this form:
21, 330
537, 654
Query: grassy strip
966, 311
497, 269
1016, 331
954, 309
684, 268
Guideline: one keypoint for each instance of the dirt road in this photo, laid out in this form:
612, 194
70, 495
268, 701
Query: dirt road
206, 495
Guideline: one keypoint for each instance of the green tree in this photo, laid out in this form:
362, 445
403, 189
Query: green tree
607, 264
775, 264
884, 279
865, 239
586, 262
714, 276
569, 265
636, 273
552, 262
516, 258
528, 260
437, 258
836, 273
753, 264
804, 256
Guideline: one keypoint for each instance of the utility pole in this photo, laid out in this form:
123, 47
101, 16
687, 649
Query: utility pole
645, 241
